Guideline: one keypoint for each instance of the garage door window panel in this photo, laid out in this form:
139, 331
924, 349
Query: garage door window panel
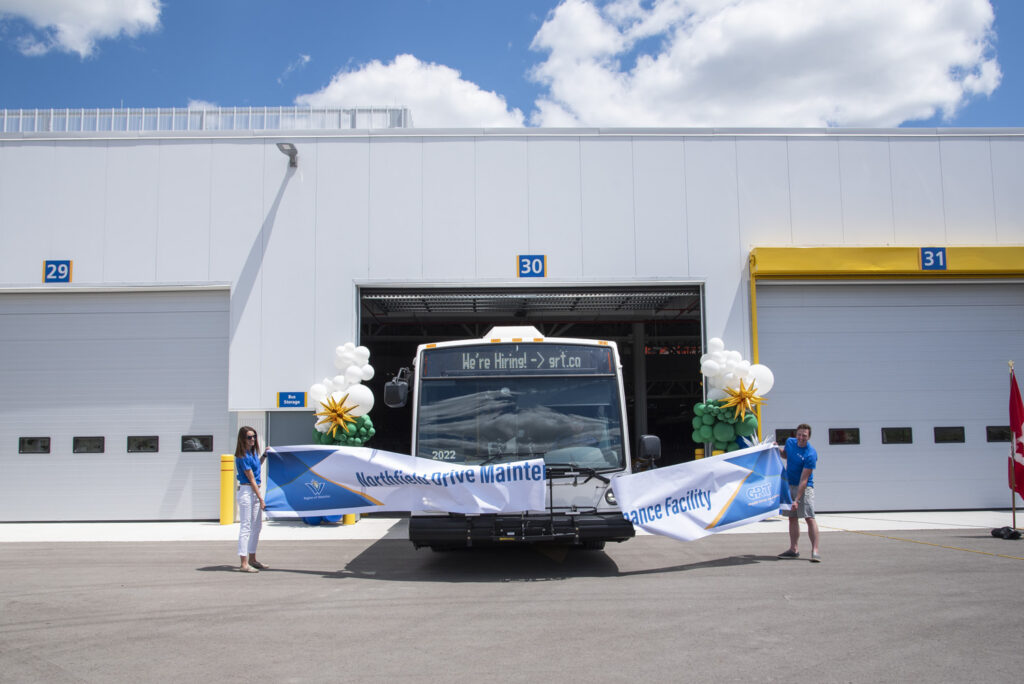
149, 444
844, 436
88, 445
33, 445
897, 435
949, 435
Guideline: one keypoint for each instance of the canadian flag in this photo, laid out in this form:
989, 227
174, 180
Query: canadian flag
1016, 463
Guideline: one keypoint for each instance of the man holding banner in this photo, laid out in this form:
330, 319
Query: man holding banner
801, 460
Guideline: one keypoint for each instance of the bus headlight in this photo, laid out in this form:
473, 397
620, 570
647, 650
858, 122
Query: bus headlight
609, 496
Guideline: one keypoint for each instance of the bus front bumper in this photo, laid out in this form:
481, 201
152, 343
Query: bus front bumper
455, 531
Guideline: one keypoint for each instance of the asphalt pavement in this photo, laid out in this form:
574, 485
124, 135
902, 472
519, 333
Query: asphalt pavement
900, 597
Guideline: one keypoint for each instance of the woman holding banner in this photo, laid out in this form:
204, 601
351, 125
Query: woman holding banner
248, 468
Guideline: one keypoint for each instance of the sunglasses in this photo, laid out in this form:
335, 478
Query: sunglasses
250, 436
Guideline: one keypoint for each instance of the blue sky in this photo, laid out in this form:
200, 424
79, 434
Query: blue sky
531, 62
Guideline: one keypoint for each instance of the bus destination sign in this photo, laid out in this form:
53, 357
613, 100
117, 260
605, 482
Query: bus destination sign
517, 359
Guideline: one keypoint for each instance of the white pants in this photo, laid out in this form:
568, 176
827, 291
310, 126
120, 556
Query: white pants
250, 520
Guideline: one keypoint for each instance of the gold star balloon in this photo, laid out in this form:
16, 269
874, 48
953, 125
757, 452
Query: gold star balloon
742, 400
336, 414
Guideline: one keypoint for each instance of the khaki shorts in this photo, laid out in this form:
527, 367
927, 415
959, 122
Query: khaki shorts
806, 507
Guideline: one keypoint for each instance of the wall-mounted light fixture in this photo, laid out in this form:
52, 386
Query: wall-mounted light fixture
293, 154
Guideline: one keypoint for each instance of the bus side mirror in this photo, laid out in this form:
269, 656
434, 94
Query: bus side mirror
396, 392
650, 447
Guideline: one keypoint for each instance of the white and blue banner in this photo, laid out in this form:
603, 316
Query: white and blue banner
692, 500
306, 481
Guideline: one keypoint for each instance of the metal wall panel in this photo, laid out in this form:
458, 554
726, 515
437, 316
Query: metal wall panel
287, 273
815, 192
341, 249
866, 185
112, 365
396, 209
502, 206
1007, 181
606, 198
918, 217
555, 223
762, 172
183, 223
967, 192
870, 356
449, 235
132, 210
659, 188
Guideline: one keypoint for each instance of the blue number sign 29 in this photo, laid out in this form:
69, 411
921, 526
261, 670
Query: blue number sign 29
57, 271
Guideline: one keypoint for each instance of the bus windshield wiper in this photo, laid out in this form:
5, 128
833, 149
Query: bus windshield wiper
570, 470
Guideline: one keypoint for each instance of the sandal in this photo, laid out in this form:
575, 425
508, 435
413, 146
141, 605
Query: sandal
248, 568
258, 565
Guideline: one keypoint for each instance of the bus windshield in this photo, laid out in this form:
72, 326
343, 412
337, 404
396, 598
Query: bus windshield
568, 420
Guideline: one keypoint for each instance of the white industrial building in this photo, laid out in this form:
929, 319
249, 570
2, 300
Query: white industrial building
168, 275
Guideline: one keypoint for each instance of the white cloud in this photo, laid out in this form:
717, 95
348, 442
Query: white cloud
436, 95
762, 62
77, 25
300, 62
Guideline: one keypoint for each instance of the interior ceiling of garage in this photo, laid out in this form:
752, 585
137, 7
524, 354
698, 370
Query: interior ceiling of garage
397, 306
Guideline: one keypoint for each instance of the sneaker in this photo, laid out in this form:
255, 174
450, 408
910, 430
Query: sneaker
789, 554
815, 557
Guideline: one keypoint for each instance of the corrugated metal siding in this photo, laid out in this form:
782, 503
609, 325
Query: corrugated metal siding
112, 365
870, 356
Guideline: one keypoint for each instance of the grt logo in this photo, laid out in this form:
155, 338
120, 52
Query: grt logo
760, 491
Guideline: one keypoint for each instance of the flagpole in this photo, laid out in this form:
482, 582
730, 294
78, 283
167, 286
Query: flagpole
1013, 467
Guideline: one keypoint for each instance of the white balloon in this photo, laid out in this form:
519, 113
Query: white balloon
360, 397
317, 393
340, 384
354, 375
763, 378
350, 346
361, 355
341, 363
323, 428
704, 357
716, 394
730, 381
715, 344
734, 356
367, 372
710, 368
730, 366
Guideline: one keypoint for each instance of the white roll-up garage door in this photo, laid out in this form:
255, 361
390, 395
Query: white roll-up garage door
861, 358
114, 405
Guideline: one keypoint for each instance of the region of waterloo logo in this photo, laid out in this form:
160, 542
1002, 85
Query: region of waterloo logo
316, 486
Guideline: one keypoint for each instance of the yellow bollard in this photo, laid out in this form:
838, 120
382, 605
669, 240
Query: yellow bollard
227, 489
716, 452
348, 519
698, 454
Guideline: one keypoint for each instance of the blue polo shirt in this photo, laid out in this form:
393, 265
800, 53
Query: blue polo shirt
249, 462
797, 459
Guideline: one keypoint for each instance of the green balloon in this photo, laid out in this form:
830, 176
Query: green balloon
708, 419
724, 432
733, 446
696, 437
706, 433
747, 426
698, 410
696, 422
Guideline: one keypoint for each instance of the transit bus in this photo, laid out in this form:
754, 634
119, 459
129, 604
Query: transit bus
516, 395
